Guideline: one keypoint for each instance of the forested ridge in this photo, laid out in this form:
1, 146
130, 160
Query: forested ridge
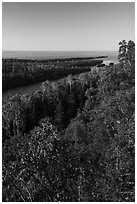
73, 140
23, 72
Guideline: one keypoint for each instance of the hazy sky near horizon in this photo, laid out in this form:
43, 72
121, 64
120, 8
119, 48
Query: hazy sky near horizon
70, 26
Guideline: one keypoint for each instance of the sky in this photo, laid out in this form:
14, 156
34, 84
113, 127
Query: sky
66, 26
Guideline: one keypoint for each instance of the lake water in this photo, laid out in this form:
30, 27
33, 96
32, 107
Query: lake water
23, 90
112, 57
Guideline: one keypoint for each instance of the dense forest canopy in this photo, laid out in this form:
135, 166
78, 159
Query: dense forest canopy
23, 72
73, 140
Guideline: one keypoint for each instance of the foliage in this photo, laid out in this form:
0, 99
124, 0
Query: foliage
17, 72
127, 52
74, 140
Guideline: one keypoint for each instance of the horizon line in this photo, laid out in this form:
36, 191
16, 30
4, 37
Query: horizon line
57, 50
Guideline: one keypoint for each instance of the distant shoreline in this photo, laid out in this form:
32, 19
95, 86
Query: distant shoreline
53, 59
45, 55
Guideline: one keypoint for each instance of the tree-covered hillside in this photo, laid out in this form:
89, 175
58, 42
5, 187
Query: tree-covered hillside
73, 140
23, 72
